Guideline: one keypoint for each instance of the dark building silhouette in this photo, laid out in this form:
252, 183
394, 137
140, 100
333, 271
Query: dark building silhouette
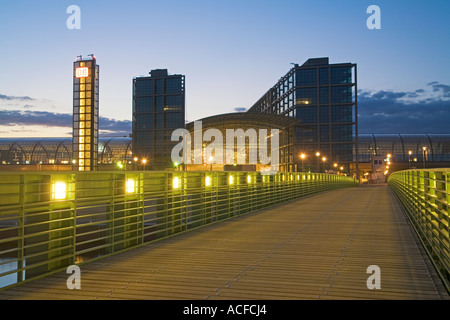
158, 109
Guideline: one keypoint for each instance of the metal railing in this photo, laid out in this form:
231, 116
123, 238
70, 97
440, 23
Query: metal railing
49, 221
425, 196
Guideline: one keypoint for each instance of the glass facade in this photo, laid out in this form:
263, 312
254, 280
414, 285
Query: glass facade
85, 114
158, 109
58, 151
406, 148
323, 97
248, 122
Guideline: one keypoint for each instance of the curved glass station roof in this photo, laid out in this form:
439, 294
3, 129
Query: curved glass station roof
59, 150
255, 120
111, 150
402, 147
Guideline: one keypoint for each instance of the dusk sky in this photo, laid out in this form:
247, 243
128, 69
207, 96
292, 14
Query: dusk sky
231, 52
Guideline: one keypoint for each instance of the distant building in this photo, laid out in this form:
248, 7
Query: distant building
323, 97
233, 123
406, 150
158, 109
85, 114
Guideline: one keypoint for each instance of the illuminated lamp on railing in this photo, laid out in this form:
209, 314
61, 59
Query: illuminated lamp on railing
207, 181
130, 186
59, 191
176, 183
231, 180
249, 179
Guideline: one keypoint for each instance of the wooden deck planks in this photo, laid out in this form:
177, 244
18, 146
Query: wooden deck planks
313, 248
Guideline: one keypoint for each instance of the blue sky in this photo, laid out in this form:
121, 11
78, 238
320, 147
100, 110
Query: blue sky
231, 52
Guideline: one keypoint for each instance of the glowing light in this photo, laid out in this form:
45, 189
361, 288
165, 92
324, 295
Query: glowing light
249, 179
231, 180
176, 183
208, 181
130, 186
59, 191
82, 72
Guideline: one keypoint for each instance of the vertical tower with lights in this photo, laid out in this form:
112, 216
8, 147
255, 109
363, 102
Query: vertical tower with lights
85, 113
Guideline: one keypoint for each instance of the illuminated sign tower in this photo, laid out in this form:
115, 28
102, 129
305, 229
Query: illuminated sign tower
85, 114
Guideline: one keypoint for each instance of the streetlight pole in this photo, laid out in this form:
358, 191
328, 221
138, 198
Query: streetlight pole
144, 161
409, 159
318, 161
424, 156
211, 160
302, 156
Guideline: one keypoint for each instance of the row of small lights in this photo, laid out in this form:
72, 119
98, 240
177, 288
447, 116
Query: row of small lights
211, 159
59, 189
324, 159
176, 181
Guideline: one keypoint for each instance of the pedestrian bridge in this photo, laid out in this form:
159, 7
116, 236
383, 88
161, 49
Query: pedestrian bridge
206, 236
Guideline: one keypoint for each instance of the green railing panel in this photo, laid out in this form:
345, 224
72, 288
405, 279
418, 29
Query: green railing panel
425, 196
51, 220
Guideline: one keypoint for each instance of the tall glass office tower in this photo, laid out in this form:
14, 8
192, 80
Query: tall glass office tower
158, 109
85, 114
324, 97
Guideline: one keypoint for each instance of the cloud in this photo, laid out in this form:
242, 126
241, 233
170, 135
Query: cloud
114, 127
9, 102
419, 111
439, 87
9, 98
13, 118
43, 118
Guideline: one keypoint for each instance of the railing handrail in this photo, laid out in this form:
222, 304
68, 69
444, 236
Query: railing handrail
55, 219
425, 197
